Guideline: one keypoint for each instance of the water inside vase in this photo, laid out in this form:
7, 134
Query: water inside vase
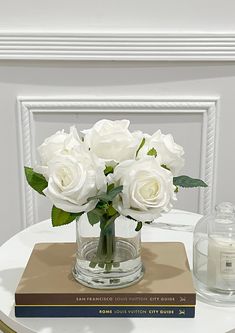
124, 269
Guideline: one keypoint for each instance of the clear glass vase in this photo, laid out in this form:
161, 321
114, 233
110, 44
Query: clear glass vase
108, 258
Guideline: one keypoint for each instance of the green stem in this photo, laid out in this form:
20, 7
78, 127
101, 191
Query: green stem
110, 240
106, 247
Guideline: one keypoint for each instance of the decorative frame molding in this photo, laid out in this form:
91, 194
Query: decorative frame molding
118, 46
208, 107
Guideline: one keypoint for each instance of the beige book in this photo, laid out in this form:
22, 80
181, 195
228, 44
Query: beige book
47, 279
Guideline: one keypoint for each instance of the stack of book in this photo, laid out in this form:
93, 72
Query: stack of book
48, 289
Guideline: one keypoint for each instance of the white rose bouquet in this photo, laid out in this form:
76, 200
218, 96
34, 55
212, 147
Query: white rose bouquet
108, 171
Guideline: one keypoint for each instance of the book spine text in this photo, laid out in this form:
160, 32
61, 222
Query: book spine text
106, 311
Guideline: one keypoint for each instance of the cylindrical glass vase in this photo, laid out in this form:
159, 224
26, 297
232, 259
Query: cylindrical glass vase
108, 258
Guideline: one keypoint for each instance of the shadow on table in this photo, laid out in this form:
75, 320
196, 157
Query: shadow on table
77, 325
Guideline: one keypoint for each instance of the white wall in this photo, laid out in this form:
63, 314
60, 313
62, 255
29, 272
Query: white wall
118, 15
44, 79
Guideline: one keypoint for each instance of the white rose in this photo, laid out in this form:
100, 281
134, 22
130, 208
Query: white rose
58, 143
168, 152
148, 189
112, 140
73, 179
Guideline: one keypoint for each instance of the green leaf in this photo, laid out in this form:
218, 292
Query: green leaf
165, 167
110, 187
131, 218
111, 211
185, 181
101, 196
108, 170
60, 217
152, 152
106, 197
114, 192
102, 205
104, 226
139, 226
93, 218
37, 181
149, 222
95, 215
140, 146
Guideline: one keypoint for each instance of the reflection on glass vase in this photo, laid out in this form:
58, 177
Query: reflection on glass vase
108, 258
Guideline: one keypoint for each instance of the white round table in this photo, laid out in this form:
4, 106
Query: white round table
14, 255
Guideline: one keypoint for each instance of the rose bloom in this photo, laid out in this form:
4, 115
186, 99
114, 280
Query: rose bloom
148, 189
73, 178
112, 141
59, 143
169, 153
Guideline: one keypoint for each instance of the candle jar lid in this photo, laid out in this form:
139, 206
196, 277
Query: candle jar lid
214, 256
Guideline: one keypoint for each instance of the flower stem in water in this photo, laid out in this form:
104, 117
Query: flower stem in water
104, 256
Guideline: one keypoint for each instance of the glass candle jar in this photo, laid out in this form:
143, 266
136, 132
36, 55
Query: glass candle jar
214, 256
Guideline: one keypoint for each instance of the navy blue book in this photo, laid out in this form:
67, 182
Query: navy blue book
106, 311
48, 289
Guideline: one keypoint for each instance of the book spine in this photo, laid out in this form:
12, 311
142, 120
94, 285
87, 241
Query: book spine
107, 311
105, 299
